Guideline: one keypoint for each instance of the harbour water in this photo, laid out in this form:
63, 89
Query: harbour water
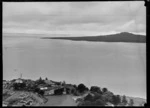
121, 67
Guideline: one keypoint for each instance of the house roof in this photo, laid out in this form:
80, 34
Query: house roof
49, 82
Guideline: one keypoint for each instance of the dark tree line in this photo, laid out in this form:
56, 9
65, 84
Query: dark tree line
19, 86
59, 91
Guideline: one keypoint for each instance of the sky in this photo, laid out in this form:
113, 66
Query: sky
74, 18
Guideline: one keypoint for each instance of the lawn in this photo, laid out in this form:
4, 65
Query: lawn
60, 100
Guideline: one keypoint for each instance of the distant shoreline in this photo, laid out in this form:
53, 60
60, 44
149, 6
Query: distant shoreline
93, 40
120, 37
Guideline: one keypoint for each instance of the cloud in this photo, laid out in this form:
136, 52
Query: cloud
94, 17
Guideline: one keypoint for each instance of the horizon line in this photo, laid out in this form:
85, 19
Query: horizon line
98, 34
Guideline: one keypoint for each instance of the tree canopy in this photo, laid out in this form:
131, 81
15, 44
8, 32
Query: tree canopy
116, 99
131, 102
81, 88
95, 89
124, 100
104, 90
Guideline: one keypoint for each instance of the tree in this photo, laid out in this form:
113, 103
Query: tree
97, 96
46, 78
64, 82
116, 99
124, 100
89, 97
68, 90
75, 86
81, 88
59, 91
104, 90
73, 91
107, 96
40, 79
41, 92
95, 89
36, 90
87, 89
131, 102
19, 86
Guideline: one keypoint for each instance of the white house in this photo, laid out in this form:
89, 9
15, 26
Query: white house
43, 88
19, 80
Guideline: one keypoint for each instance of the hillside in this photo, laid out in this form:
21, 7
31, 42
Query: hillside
137, 101
120, 37
41, 92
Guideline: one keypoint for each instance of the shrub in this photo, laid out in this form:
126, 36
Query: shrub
131, 102
124, 100
116, 99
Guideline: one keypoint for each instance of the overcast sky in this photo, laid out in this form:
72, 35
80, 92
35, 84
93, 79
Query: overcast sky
76, 18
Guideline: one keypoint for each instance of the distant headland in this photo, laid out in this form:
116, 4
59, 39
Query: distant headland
119, 37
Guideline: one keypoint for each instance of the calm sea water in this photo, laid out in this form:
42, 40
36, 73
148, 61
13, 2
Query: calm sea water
121, 67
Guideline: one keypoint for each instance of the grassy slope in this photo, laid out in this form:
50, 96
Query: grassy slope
137, 101
60, 100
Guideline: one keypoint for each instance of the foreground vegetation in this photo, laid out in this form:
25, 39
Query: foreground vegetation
37, 90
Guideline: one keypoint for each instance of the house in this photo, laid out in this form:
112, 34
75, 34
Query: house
19, 80
52, 83
55, 90
49, 82
42, 87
